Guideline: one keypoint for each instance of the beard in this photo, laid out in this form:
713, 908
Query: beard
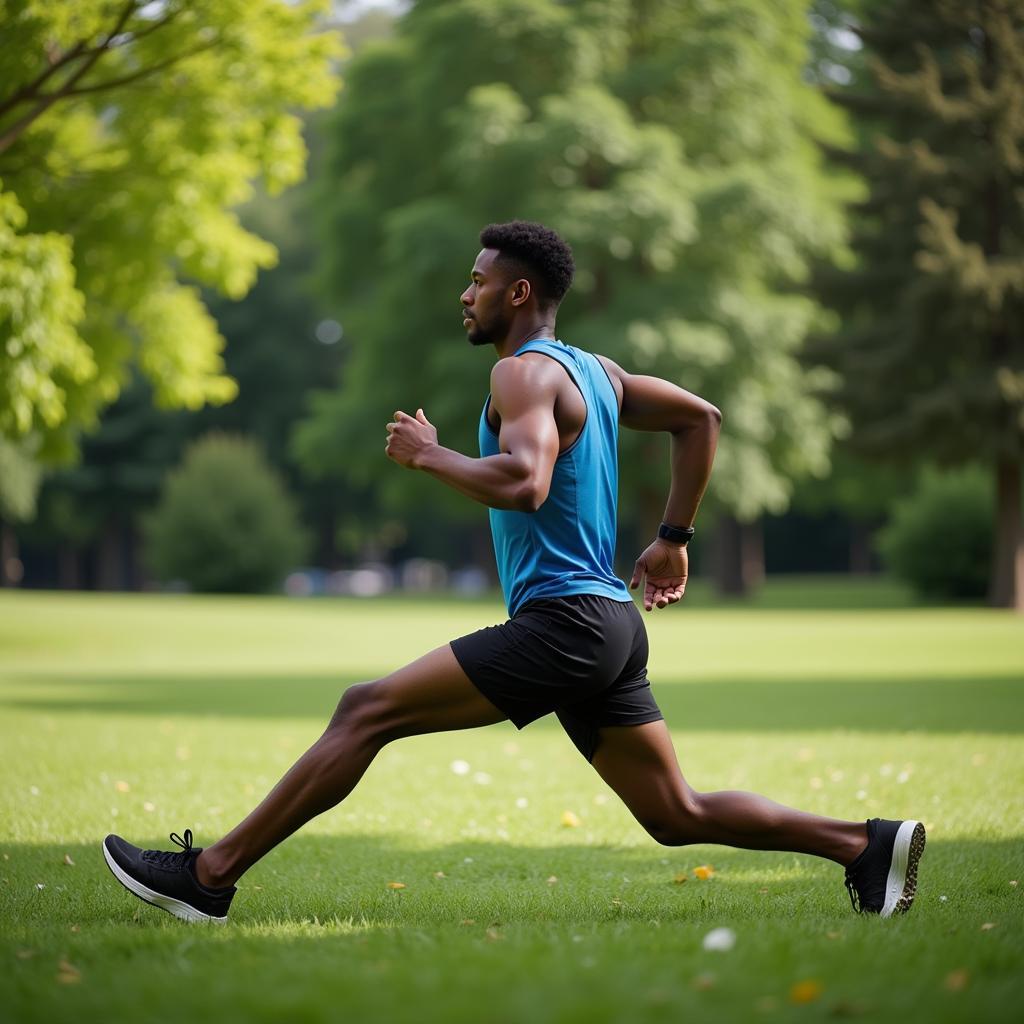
487, 333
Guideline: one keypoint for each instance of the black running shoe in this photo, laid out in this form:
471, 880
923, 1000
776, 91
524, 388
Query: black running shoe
168, 880
883, 879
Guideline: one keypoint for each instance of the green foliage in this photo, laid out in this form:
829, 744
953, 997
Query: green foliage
940, 538
224, 522
128, 132
930, 354
671, 144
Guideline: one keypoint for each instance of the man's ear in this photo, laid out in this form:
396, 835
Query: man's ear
520, 291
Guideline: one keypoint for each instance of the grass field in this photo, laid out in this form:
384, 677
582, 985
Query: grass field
143, 715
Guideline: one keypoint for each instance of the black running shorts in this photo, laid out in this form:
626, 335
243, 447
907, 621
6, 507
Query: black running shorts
583, 657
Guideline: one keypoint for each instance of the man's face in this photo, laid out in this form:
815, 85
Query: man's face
486, 306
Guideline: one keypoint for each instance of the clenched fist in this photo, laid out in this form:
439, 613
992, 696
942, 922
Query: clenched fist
408, 437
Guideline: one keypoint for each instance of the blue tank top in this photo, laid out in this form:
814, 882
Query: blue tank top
568, 545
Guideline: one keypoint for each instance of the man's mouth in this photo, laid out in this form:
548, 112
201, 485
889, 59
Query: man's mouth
466, 319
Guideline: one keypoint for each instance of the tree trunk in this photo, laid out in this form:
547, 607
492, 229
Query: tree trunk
11, 569
1007, 587
739, 556
109, 559
860, 548
69, 572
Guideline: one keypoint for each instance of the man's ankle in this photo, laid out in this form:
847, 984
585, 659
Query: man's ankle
209, 873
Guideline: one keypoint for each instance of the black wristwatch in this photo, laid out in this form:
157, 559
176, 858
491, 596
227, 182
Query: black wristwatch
675, 534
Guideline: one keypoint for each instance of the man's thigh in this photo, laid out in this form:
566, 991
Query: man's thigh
431, 694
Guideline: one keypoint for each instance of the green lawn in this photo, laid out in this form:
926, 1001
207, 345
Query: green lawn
143, 715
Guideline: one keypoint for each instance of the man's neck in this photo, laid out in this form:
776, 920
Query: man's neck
518, 337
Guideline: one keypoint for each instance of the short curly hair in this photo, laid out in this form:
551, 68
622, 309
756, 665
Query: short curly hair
535, 252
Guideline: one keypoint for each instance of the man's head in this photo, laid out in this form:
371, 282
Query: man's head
524, 268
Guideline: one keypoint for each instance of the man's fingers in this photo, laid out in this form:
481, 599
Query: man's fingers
638, 574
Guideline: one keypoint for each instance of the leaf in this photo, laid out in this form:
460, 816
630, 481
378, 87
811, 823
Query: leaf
681, 878
67, 860
122, 787
570, 820
396, 885
988, 926
956, 981
704, 872
68, 973
804, 992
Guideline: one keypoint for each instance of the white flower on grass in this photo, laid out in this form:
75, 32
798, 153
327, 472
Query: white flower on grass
460, 767
719, 940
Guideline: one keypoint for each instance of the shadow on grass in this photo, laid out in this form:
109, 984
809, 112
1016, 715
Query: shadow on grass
345, 880
989, 703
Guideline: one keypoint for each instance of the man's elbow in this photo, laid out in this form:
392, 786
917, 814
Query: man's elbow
530, 496
714, 416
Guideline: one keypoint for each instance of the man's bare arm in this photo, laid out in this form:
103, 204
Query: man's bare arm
519, 477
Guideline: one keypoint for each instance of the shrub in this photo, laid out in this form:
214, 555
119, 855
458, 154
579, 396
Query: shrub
224, 521
940, 538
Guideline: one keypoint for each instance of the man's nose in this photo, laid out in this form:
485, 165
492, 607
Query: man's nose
467, 297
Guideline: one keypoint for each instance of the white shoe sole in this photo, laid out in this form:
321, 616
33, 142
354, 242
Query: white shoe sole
901, 882
168, 903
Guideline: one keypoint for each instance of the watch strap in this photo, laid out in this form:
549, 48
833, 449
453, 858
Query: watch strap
675, 534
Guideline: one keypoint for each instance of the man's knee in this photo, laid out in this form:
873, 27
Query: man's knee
366, 710
680, 824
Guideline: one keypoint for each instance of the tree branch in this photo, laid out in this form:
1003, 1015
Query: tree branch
45, 102
135, 76
30, 91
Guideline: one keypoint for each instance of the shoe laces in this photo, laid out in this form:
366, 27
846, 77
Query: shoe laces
173, 858
851, 888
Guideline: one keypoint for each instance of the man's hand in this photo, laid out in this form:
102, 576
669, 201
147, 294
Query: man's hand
409, 437
665, 566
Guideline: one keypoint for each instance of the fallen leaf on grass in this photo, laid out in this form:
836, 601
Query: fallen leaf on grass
396, 885
68, 973
988, 926
956, 981
67, 860
1013, 882
569, 820
681, 878
122, 787
804, 992
704, 872
493, 935
468, 920
440, 874
552, 880
833, 935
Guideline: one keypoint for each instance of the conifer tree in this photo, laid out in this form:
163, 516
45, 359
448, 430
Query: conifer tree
932, 351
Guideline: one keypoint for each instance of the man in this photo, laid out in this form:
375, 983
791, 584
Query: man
575, 644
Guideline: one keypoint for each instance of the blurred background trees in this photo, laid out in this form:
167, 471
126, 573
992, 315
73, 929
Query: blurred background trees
808, 212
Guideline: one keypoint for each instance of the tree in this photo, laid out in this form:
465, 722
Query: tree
931, 356
128, 131
666, 142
